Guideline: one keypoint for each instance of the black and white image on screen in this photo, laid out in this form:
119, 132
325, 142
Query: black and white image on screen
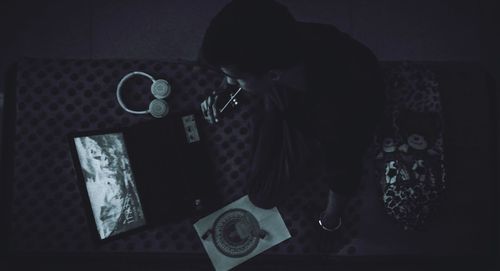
110, 183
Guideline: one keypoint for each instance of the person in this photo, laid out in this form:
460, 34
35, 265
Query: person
322, 93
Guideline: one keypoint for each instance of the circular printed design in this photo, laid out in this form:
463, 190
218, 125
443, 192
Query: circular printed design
236, 233
417, 142
389, 144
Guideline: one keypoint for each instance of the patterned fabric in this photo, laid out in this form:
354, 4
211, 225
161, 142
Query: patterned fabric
55, 97
410, 148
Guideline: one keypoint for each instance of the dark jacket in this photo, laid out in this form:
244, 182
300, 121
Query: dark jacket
338, 112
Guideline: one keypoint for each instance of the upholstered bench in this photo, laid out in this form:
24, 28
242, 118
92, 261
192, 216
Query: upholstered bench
52, 98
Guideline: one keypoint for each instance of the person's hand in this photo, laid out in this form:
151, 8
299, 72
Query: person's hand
326, 241
209, 109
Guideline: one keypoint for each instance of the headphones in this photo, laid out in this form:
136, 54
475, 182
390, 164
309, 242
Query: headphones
160, 89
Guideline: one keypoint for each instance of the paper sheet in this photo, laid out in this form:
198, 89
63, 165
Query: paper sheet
269, 220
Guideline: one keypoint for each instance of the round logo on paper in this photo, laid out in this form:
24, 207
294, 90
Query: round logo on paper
236, 233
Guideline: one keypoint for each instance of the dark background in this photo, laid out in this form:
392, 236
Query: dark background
425, 30
448, 30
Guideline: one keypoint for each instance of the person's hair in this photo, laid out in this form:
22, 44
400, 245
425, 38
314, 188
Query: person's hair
252, 35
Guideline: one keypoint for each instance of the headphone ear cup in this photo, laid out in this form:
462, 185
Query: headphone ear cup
158, 108
160, 89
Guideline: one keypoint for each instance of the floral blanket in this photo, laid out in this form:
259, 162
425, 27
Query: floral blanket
409, 146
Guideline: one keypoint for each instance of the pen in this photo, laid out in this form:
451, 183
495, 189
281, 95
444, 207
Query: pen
230, 99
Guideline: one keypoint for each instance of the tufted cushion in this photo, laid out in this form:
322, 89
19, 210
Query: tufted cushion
56, 97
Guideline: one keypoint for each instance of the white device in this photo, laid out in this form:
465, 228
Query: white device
160, 89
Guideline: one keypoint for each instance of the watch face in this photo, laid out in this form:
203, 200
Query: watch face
236, 233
